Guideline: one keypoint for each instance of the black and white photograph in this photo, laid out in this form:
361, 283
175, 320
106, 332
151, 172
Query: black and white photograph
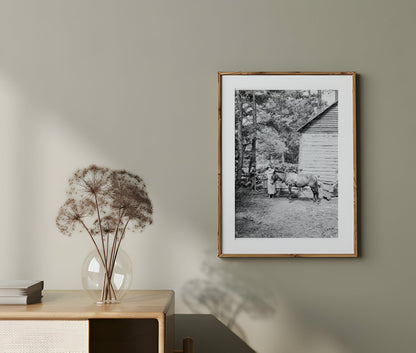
285, 163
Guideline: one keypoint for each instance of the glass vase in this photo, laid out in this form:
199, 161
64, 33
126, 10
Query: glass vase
95, 277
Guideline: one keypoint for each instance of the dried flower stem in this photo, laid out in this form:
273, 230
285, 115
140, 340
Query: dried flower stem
101, 257
104, 293
112, 257
118, 247
101, 228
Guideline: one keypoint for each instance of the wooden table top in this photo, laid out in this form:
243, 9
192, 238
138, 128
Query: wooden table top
77, 305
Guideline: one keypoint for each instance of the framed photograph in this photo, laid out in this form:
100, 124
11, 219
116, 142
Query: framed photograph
287, 164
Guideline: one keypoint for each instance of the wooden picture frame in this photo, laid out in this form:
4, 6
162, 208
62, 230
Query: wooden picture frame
287, 164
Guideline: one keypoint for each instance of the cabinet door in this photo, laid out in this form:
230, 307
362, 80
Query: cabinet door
124, 336
43, 336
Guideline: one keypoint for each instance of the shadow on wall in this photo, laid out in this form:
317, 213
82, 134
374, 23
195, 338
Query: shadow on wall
227, 295
246, 301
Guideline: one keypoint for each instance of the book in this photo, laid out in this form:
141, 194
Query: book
19, 287
22, 299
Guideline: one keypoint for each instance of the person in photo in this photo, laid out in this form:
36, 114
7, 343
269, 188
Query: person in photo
271, 182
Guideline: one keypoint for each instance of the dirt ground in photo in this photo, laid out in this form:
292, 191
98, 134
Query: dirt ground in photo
258, 216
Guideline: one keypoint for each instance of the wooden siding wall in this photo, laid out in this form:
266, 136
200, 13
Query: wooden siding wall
318, 150
318, 155
326, 124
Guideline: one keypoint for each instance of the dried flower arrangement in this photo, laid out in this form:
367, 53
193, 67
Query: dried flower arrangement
105, 203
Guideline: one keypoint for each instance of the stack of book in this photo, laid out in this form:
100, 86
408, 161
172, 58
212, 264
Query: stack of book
20, 292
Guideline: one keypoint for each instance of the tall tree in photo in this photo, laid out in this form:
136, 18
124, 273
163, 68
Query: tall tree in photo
239, 135
254, 137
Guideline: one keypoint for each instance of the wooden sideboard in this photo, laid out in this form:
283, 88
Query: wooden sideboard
143, 322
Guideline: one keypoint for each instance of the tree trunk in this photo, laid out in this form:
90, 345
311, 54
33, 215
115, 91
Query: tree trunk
253, 142
239, 139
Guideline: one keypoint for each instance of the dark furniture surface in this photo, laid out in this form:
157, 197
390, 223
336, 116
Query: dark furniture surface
209, 335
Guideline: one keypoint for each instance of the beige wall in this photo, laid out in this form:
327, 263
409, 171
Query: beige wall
132, 84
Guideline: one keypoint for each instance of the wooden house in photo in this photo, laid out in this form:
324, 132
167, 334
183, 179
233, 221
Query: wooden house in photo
318, 149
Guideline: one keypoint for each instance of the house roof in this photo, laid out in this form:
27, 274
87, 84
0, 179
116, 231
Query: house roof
316, 117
